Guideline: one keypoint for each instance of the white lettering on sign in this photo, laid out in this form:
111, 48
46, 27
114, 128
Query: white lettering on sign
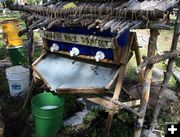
89, 40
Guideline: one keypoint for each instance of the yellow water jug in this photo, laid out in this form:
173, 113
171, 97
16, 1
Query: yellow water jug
10, 32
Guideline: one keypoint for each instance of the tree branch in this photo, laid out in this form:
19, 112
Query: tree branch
157, 59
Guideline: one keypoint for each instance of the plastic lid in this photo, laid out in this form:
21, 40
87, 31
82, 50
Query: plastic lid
16, 69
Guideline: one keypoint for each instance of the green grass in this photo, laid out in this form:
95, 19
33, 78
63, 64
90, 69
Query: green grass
91, 116
168, 115
71, 105
94, 124
122, 126
14, 15
172, 82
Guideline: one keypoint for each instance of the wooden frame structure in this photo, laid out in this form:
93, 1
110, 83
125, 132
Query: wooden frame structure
119, 59
112, 104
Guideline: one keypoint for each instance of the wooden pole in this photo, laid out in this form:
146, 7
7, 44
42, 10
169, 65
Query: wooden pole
158, 58
115, 97
147, 82
167, 73
29, 93
30, 58
30, 47
138, 59
118, 87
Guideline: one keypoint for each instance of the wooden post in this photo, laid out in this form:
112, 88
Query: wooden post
138, 58
147, 82
30, 46
30, 58
118, 86
115, 97
29, 93
168, 72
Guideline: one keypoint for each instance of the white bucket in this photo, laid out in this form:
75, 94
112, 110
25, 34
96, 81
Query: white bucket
18, 80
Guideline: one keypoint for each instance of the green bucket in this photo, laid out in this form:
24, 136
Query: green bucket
47, 110
17, 55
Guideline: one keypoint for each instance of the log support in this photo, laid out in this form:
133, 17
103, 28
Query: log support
135, 48
147, 82
168, 72
30, 36
157, 59
30, 59
29, 93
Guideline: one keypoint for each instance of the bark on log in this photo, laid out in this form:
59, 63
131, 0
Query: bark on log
157, 59
147, 82
29, 93
30, 37
110, 11
167, 73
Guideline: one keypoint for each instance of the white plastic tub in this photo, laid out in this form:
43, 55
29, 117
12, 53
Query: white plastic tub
18, 80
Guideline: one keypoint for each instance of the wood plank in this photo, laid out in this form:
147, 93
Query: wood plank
36, 71
80, 90
109, 123
109, 105
79, 39
133, 103
111, 83
35, 75
103, 102
39, 59
119, 81
124, 60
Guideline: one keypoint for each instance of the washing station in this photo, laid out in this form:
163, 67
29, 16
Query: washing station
88, 45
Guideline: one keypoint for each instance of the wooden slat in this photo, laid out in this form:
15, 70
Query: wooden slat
133, 103
36, 71
80, 90
109, 105
36, 75
111, 83
39, 59
124, 60
103, 102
